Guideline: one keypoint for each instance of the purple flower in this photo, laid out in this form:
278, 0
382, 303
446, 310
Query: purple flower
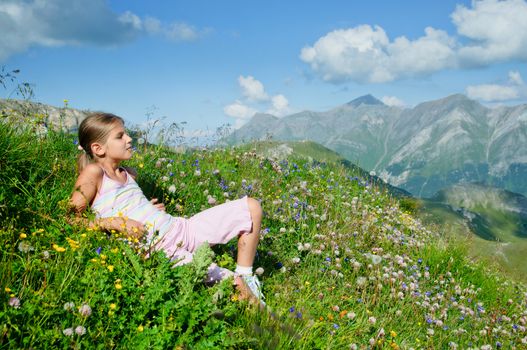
292, 309
98, 250
336, 326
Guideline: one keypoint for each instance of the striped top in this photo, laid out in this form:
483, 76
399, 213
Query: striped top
127, 200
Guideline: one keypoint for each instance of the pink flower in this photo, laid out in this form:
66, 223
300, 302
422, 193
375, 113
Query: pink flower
14, 302
85, 310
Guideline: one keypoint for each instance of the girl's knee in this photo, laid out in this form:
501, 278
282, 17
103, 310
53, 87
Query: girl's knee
255, 208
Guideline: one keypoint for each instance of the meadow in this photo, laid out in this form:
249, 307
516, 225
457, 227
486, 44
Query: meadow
344, 263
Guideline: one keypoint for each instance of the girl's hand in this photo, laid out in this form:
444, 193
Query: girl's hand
159, 206
133, 229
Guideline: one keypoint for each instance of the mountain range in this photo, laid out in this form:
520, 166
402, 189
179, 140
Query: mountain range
422, 149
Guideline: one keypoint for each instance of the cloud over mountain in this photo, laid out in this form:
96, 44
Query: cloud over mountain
489, 32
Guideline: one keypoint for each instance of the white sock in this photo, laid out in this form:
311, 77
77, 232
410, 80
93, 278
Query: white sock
243, 270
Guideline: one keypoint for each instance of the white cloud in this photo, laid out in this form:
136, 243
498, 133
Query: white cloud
365, 54
280, 106
252, 89
515, 78
489, 31
492, 92
499, 92
392, 101
254, 100
52, 23
239, 110
498, 30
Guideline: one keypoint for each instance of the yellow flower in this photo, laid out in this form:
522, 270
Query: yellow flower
94, 260
110, 268
103, 256
7, 289
23, 235
115, 250
113, 306
140, 328
393, 334
141, 165
118, 286
58, 248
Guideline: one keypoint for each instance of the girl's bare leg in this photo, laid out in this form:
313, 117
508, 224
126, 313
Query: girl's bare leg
248, 242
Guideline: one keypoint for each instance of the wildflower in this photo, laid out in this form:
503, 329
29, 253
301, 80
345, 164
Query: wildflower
113, 306
68, 332
393, 334
211, 200
98, 250
140, 141
118, 284
259, 271
140, 328
110, 268
85, 310
69, 306
58, 248
372, 320
351, 315
14, 302
80, 330
45, 255
295, 260
7, 289
23, 236
172, 189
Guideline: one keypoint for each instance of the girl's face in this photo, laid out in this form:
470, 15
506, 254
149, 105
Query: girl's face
118, 146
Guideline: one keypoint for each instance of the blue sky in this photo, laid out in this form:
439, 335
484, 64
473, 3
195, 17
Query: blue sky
214, 62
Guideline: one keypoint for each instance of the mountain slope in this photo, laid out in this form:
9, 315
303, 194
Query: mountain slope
422, 149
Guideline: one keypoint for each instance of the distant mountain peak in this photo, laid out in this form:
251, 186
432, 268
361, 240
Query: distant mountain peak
365, 100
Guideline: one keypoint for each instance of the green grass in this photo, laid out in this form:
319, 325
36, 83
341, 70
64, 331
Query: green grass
344, 266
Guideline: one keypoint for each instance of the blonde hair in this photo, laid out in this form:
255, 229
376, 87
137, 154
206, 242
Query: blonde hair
95, 128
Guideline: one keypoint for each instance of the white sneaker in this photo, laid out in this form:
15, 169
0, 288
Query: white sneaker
254, 285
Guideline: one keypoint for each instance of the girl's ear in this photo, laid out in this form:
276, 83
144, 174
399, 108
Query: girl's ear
97, 149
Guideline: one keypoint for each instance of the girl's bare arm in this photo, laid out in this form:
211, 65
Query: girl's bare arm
83, 194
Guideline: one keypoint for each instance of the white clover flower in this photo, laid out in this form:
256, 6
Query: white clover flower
164, 178
351, 315
25, 247
372, 320
283, 230
68, 332
140, 141
216, 172
85, 310
295, 260
211, 200
172, 188
45, 255
197, 173
80, 330
259, 271
69, 306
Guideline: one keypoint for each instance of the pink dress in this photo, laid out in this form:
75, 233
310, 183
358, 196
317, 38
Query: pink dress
178, 237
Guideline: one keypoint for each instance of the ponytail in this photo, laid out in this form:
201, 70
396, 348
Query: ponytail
82, 161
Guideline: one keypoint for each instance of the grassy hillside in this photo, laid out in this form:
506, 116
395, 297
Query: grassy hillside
344, 267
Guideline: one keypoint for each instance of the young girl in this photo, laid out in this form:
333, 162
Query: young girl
120, 205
